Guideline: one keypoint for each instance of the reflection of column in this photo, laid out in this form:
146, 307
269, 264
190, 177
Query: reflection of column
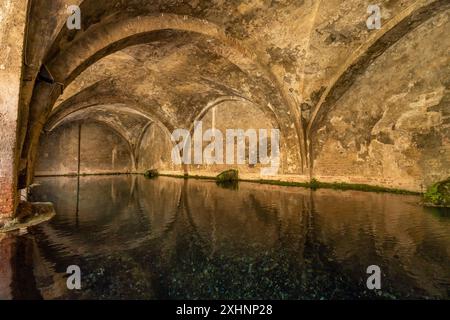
6, 274
22, 262
214, 230
77, 209
190, 221
310, 242
16, 268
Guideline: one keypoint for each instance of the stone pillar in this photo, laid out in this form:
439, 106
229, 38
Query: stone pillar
12, 30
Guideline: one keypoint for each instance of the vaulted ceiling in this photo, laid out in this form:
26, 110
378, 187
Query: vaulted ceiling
164, 61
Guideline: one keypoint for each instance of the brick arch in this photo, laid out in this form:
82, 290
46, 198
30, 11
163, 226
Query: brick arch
63, 113
117, 129
224, 99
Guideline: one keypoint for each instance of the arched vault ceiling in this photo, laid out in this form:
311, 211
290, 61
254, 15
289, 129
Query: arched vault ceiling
301, 44
293, 58
177, 72
125, 121
304, 42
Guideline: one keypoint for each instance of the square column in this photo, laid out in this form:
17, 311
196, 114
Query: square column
12, 30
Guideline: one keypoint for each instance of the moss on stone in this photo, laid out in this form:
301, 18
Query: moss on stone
314, 184
438, 194
29, 215
150, 174
228, 176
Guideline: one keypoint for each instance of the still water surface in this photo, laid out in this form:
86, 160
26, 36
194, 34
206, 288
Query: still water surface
186, 239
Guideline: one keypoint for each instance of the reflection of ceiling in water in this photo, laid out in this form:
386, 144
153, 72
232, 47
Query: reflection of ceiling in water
170, 216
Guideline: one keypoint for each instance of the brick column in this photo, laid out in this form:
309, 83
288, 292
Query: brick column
12, 29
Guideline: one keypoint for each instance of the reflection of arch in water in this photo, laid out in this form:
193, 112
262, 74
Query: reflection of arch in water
148, 215
187, 211
214, 232
53, 237
140, 196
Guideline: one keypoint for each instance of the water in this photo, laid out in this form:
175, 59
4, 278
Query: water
186, 239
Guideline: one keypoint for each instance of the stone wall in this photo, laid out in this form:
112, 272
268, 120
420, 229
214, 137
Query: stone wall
392, 127
234, 115
58, 151
154, 151
102, 151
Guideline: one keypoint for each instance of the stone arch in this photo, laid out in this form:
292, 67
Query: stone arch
62, 113
237, 99
88, 97
137, 149
225, 99
362, 58
391, 126
70, 126
98, 42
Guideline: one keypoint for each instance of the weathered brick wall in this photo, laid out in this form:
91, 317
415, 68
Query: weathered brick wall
392, 127
6, 196
12, 26
102, 151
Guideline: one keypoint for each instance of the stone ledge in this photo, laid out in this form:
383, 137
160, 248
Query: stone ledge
29, 214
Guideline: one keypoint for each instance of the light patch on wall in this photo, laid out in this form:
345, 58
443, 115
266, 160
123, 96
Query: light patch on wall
339, 124
249, 6
417, 118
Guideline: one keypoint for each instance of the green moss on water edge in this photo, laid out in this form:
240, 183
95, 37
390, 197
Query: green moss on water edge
438, 194
228, 176
151, 174
431, 197
313, 184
